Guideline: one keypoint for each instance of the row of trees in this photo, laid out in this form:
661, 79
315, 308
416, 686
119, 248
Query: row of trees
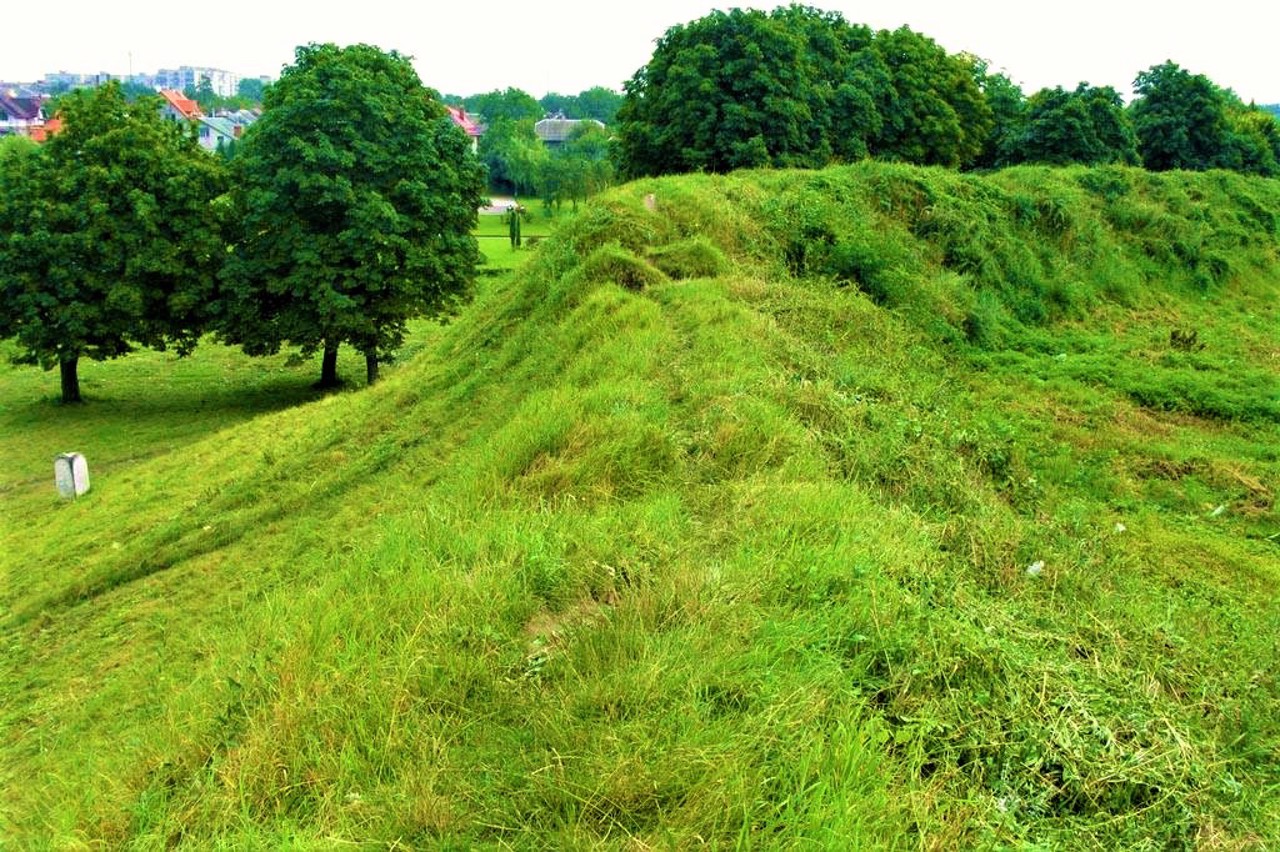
348, 211
803, 87
597, 103
520, 163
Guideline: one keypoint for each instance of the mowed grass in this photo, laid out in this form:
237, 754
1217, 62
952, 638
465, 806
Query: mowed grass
749, 521
494, 238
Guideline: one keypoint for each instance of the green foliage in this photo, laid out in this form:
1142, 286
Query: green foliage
1008, 118
504, 105
203, 94
744, 561
933, 112
1254, 142
514, 156
741, 89
112, 236
356, 198
252, 89
597, 103
1180, 119
12, 148
1087, 126
578, 168
797, 87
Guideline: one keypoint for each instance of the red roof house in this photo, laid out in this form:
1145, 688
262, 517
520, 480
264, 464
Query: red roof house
469, 127
178, 107
49, 128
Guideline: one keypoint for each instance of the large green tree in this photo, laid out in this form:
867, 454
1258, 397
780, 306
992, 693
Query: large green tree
935, 112
1088, 125
508, 104
1180, 119
110, 236
356, 198
798, 87
1253, 139
744, 88
1008, 107
251, 89
579, 168
514, 156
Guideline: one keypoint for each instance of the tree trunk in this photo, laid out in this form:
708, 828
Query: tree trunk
329, 366
70, 380
371, 367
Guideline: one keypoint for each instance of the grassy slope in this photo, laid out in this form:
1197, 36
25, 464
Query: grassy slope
737, 557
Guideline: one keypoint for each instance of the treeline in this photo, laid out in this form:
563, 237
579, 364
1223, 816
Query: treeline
598, 103
347, 211
806, 88
519, 163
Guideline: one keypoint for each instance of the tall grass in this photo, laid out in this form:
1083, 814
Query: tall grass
868, 508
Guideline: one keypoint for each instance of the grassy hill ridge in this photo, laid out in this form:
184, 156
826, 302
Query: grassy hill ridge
879, 506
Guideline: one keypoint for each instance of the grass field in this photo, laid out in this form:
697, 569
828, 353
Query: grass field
495, 240
878, 507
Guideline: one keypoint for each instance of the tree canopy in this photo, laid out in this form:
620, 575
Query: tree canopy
580, 167
514, 156
598, 102
356, 196
1088, 125
110, 235
1180, 119
1185, 121
508, 104
797, 87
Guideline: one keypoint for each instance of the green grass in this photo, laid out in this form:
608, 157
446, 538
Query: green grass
711, 525
494, 238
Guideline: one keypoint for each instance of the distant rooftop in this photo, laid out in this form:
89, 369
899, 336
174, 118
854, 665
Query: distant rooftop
556, 128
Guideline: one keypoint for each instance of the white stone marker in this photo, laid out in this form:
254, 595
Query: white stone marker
71, 474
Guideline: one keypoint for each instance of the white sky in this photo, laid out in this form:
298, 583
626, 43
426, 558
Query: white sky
470, 46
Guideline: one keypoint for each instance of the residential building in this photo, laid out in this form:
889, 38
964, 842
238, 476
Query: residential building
468, 125
555, 129
223, 83
20, 112
51, 127
178, 107
217, 131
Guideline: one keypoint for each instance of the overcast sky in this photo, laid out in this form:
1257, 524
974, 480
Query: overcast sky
471, 46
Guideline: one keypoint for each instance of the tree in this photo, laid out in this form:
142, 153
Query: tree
356, 196
554, 102
133, 90
1087, 126
579, 168
204, 95
1180, 119
111, 236
1008, 107
797, 87
597, 102
514, 156
935, 113
1253, 139
251, 89
510, 105
738, 89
